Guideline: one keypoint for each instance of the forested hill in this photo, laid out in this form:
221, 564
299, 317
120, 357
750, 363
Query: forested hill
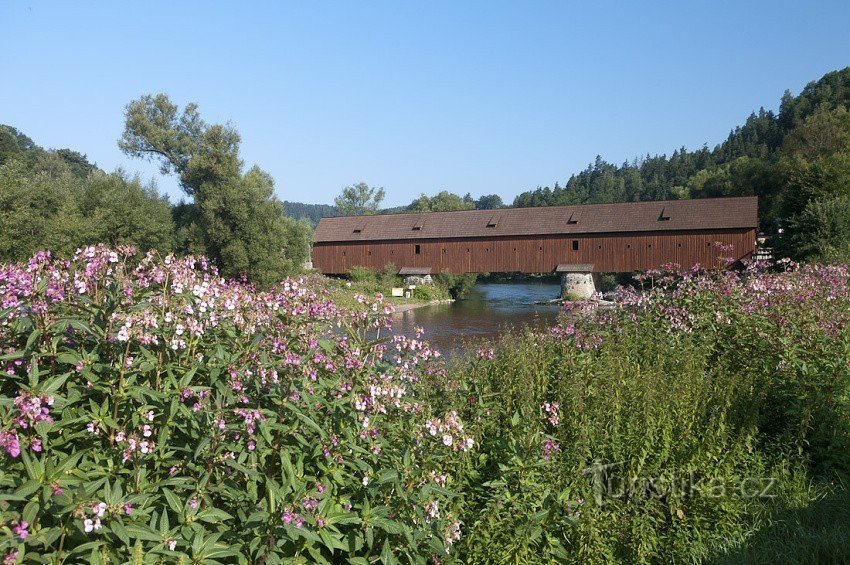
789, 159
16, 145
310, 212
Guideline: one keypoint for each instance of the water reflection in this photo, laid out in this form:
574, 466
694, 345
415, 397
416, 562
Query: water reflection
487, 312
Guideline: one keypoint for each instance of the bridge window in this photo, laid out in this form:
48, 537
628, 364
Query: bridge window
575, 245
417, 249
650, 246
444, 250
680, 245
541, 248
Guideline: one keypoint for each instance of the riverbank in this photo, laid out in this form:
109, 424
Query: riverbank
344, 292
404, 307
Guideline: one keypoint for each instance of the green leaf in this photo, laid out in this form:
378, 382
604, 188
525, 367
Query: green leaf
387, 556
173, 502
389, 526
119, 530
137, 531
213, 515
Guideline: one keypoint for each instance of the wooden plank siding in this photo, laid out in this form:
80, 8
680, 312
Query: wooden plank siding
608, 252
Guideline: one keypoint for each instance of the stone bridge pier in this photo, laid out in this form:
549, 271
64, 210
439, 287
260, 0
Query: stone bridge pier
578, 281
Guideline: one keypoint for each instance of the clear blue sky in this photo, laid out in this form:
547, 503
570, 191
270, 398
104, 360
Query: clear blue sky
480, 97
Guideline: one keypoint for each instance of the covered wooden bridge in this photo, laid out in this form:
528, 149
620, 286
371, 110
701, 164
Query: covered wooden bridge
592, 238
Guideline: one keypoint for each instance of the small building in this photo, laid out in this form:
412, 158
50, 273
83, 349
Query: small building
622, 237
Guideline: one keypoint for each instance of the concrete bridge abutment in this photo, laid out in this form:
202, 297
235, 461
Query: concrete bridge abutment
578, 282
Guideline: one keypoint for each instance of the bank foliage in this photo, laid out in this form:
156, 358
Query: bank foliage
153, 412
691, 424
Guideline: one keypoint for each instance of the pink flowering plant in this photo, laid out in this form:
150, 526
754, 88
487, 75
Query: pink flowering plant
152, 410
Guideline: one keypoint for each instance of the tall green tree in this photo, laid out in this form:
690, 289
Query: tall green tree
489, 202
359, 200
443, 201
235, 218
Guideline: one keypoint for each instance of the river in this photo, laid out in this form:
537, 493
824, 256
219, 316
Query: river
488, 311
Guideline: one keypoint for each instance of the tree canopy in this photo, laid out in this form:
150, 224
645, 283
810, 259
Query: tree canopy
443, 201
359, 200
234, 218
56, 200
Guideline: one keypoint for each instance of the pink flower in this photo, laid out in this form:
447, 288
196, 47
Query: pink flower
9, 442
20, 529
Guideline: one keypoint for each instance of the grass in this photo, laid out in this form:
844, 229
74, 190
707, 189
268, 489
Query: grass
815, 528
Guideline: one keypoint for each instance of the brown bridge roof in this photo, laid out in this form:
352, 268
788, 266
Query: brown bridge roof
665, 215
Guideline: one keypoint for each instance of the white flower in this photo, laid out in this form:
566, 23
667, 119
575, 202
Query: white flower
365, 480
171, 544
91, 525
447, 439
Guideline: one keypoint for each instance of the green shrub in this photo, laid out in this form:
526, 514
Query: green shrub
428, 292
362, 274
456, 286
389, 277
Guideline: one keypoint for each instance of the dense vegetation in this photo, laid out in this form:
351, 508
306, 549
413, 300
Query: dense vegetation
707, 419
153, 411
310, 212
58, 200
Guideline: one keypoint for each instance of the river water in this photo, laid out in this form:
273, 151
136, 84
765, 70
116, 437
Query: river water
488, 311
